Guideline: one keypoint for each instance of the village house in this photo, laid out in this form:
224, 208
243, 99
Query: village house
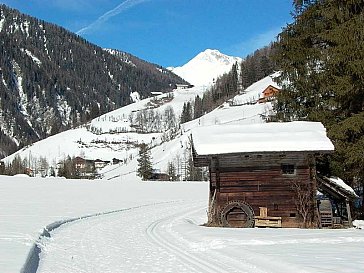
29, 171
268, 94
99, 164
84, 167
158, 175
156, 93
116, 161
262, 175
183, 86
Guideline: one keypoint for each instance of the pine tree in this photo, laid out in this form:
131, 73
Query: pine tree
198, 111
186, 114
144, 162
16, 166
321, 56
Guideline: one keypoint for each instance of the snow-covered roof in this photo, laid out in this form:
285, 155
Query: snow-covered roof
336, 188
340, 183
267, 137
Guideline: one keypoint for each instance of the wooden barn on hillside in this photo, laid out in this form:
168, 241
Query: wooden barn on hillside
268, 93
261, 175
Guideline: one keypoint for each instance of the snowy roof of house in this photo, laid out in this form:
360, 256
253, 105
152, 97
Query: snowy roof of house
266, 137
155, 93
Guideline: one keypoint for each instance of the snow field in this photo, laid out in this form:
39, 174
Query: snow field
159, 230
103, 245
27, 205
168, 237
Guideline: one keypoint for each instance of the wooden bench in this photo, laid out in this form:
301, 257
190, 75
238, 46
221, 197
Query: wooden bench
263, 220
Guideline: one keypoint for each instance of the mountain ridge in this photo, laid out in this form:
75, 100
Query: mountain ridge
52, 80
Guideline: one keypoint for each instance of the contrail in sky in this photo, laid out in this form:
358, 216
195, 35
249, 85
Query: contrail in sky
111, 13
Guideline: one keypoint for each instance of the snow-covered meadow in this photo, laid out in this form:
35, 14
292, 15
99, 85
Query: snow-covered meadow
152, 227
121, 224
30, 204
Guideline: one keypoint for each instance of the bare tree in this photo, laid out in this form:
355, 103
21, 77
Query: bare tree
304, 197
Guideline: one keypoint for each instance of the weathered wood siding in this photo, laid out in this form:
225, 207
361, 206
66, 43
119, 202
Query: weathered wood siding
258, 180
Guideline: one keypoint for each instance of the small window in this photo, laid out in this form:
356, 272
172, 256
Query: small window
292, 215
275, 206
259, 156
288, 169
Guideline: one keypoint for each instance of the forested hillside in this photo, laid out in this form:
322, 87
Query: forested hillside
253, 68
321, 56
52, 79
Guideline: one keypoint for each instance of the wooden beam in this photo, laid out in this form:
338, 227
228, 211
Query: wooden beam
217, 172
350, 220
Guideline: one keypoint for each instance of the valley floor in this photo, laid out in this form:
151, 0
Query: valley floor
153, 227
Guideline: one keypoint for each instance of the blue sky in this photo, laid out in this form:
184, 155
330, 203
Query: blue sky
167, 32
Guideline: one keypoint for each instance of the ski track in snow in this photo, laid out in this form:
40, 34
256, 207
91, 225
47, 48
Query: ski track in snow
208, 258
114, 243
157, 233
150, 238
163, 233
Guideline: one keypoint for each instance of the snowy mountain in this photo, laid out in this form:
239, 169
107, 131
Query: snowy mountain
115, 134
205, 67
52, 79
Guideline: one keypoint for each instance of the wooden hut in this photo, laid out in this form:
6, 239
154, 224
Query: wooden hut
261, 174
335, 211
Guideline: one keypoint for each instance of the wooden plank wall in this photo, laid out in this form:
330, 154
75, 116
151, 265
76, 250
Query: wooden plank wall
258, 180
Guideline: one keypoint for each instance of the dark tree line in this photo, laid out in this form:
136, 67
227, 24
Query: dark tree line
52, 79
321, 56
256, 66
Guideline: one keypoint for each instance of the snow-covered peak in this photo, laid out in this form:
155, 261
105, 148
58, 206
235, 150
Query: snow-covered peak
205, 67
213, 56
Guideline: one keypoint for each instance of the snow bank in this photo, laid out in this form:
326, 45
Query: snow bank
358, 224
